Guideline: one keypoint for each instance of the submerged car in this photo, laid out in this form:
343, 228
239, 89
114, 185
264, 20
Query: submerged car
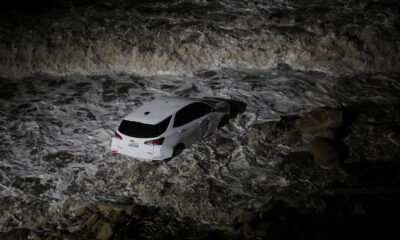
162, 128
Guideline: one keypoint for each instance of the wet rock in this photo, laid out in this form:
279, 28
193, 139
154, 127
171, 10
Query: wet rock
105, 231
247, 230
18, 233
108, 209
225, 228
391, 132
92, 220
321, 122
304, 159
49, 225
276, 136
324, 153
298, 162
374, 134
327, 133
80, 211
100, 220
75, 228
373, 142
141, 223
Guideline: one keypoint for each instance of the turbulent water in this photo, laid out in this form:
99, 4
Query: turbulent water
55, 134
71, 72
150, 37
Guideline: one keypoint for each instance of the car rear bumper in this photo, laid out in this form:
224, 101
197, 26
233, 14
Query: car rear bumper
119, 146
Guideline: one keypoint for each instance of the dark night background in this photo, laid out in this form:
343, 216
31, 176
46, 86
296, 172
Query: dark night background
311, 150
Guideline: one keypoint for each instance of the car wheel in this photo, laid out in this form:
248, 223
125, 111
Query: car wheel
223, 122
177, 150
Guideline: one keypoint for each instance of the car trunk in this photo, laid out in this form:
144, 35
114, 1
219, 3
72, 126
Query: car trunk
134, 147
134, 138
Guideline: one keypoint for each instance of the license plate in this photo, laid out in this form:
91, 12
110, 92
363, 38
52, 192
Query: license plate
135, 145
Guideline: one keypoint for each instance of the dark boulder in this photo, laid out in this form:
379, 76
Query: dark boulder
324, 153
322, 122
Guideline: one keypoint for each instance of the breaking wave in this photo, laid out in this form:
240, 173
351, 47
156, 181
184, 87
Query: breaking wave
186, 36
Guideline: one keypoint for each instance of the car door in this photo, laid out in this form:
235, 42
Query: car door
202, 113
204, 126
185, 125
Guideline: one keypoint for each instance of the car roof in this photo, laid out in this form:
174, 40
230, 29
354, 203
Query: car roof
158, 109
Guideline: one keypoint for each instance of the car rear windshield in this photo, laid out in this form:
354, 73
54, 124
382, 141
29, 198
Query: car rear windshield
143, 130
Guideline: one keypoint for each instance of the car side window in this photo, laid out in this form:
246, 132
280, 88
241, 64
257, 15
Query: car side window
183, 116
200, 109
190, 113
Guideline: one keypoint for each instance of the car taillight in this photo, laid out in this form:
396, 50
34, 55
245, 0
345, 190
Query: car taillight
117, 135
155, 142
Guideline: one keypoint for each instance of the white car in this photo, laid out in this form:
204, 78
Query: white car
162, 128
